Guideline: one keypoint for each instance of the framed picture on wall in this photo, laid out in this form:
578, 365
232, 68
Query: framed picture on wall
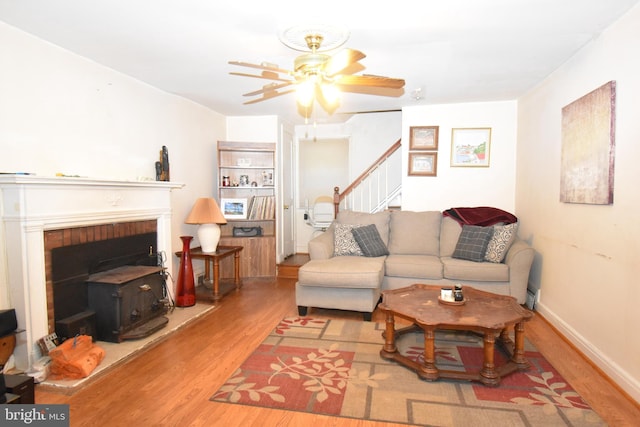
423, 138
470, 147
234, 208
423, 164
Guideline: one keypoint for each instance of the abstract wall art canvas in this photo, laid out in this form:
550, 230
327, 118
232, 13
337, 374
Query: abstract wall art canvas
588, 148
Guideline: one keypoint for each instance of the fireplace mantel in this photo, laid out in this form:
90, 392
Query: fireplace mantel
31, 204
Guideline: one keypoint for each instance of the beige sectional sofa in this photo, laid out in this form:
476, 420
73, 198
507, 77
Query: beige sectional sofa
421, 248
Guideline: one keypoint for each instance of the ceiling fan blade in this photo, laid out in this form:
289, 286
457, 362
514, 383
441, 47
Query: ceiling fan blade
342, 60
264, 75
370, 80
263, 66
353, 68
268, 95
268, 88
351, 113
372, 90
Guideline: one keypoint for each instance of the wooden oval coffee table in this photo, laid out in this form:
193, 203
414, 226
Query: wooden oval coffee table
490, 314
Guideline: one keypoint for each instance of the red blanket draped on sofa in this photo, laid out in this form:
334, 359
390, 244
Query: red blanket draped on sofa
483, 216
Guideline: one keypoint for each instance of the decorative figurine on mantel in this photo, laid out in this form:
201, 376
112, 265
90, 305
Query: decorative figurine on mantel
158, 171
162, 167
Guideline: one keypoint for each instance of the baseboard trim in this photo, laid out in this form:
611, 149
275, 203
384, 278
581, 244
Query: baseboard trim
618, 376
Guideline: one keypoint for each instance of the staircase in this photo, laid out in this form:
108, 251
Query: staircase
376, 189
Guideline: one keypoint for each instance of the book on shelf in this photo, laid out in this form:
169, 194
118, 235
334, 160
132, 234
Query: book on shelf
261, 208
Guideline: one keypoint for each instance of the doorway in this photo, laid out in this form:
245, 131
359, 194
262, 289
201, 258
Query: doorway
323, 165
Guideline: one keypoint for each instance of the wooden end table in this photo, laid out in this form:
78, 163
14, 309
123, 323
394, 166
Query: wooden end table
214, 258
487, 313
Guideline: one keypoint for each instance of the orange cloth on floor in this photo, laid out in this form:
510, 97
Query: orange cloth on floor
76, 357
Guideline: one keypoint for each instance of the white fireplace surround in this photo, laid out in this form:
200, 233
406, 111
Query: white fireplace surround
31, 205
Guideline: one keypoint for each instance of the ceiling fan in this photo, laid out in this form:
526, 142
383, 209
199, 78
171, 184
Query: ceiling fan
317, 76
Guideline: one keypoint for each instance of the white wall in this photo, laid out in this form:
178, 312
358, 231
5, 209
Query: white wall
587, 264
61, 113
321, 162
463, 186
371, 135
253, 129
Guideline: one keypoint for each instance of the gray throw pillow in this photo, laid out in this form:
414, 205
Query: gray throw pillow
472, 243
369, 240
343, 241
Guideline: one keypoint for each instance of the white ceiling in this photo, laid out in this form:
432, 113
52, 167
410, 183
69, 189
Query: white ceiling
451, 50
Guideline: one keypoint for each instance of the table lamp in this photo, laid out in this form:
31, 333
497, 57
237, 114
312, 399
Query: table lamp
206, 212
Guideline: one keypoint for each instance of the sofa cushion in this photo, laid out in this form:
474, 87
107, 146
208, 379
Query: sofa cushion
343, 241
449, 234
472, 243
503, 237
369, 240
416, 233
459, 269
415, 266
343, 272
380, 219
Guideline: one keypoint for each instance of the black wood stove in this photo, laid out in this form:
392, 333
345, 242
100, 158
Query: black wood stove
128, 302
113, 289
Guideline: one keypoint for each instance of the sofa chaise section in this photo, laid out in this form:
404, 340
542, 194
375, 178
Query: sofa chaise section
345, 282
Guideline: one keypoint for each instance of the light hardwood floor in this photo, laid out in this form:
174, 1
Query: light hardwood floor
171, 383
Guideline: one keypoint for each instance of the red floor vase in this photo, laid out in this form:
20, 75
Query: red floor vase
185, 287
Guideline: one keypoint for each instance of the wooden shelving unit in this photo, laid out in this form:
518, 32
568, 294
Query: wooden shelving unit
247, 196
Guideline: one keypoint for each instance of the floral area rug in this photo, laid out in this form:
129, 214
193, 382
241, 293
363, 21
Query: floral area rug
333, 367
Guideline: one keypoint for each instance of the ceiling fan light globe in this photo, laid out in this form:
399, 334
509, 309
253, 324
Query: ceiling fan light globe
305, 93
331, 93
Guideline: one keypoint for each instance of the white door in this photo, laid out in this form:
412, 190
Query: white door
288, 190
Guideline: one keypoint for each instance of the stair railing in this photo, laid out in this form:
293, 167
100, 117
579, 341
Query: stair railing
376, 187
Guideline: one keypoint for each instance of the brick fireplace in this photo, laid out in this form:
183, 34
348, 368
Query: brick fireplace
39, 214
85, 239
